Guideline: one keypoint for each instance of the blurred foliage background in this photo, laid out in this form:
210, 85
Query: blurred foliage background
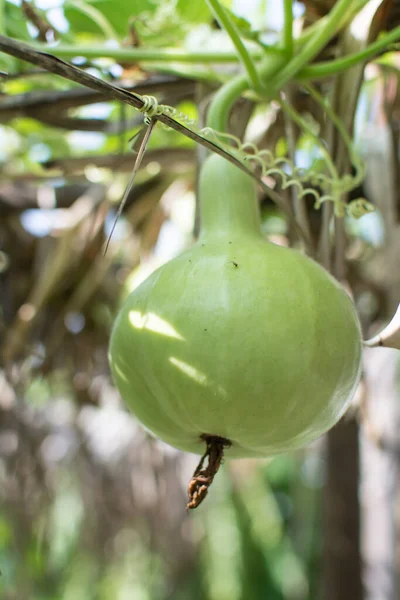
93, 508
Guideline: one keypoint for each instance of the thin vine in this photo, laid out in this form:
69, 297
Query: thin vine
323, 187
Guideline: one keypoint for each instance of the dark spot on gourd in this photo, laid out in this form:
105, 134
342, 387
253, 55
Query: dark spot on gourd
205, 330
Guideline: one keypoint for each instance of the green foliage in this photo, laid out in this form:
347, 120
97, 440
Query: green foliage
118, 14
113, 19
244, 26
16, 26
193, 12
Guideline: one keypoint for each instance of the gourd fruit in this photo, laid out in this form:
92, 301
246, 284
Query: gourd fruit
236, 339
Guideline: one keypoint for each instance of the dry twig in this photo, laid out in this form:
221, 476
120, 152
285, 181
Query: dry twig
68, 71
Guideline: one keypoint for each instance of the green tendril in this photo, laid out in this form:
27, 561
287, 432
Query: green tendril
229, 26
151, 109
309, 182
360, 207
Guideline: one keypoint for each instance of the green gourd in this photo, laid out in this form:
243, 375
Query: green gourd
237, 339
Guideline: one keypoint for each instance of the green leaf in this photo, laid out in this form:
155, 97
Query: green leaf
244, 26
117, 13
194, 12
16, 24
7, 63
95, 15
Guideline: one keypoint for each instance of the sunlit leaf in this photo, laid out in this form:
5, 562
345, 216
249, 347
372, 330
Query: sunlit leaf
16, 24
118, 14
194, 12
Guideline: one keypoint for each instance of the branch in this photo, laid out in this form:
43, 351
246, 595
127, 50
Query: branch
43, 27
59, 67
57, 101
173, 158
15, 198
98, 125
64, 257
299, 202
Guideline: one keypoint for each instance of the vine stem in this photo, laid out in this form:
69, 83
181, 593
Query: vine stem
2, 17
229, 26
299, 203
316, 43
226, 95
340, 250
325, 246
333, 67
294, 115
339, 126
317, 71
287, 37
223, 100
325, 238
355, 8
149, 54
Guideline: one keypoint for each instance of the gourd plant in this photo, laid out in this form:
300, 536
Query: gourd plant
240, 346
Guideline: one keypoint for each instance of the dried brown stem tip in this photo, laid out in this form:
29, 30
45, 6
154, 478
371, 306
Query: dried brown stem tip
203, 477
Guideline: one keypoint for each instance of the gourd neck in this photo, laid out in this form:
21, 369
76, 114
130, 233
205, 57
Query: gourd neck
228, 201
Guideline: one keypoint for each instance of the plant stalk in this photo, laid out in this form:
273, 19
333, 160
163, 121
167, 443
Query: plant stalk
333, 67
287, 37
312, 72
226, 96
297, 118
355, 8
299, 203
315, 44
229, 26
147, 54
2, 17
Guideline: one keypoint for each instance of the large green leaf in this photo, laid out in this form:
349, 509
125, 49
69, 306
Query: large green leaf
194, 12
15, 22
118, 13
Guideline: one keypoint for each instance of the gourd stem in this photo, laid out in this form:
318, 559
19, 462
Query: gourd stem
228, 200
226, 96
204, 476
223, 100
